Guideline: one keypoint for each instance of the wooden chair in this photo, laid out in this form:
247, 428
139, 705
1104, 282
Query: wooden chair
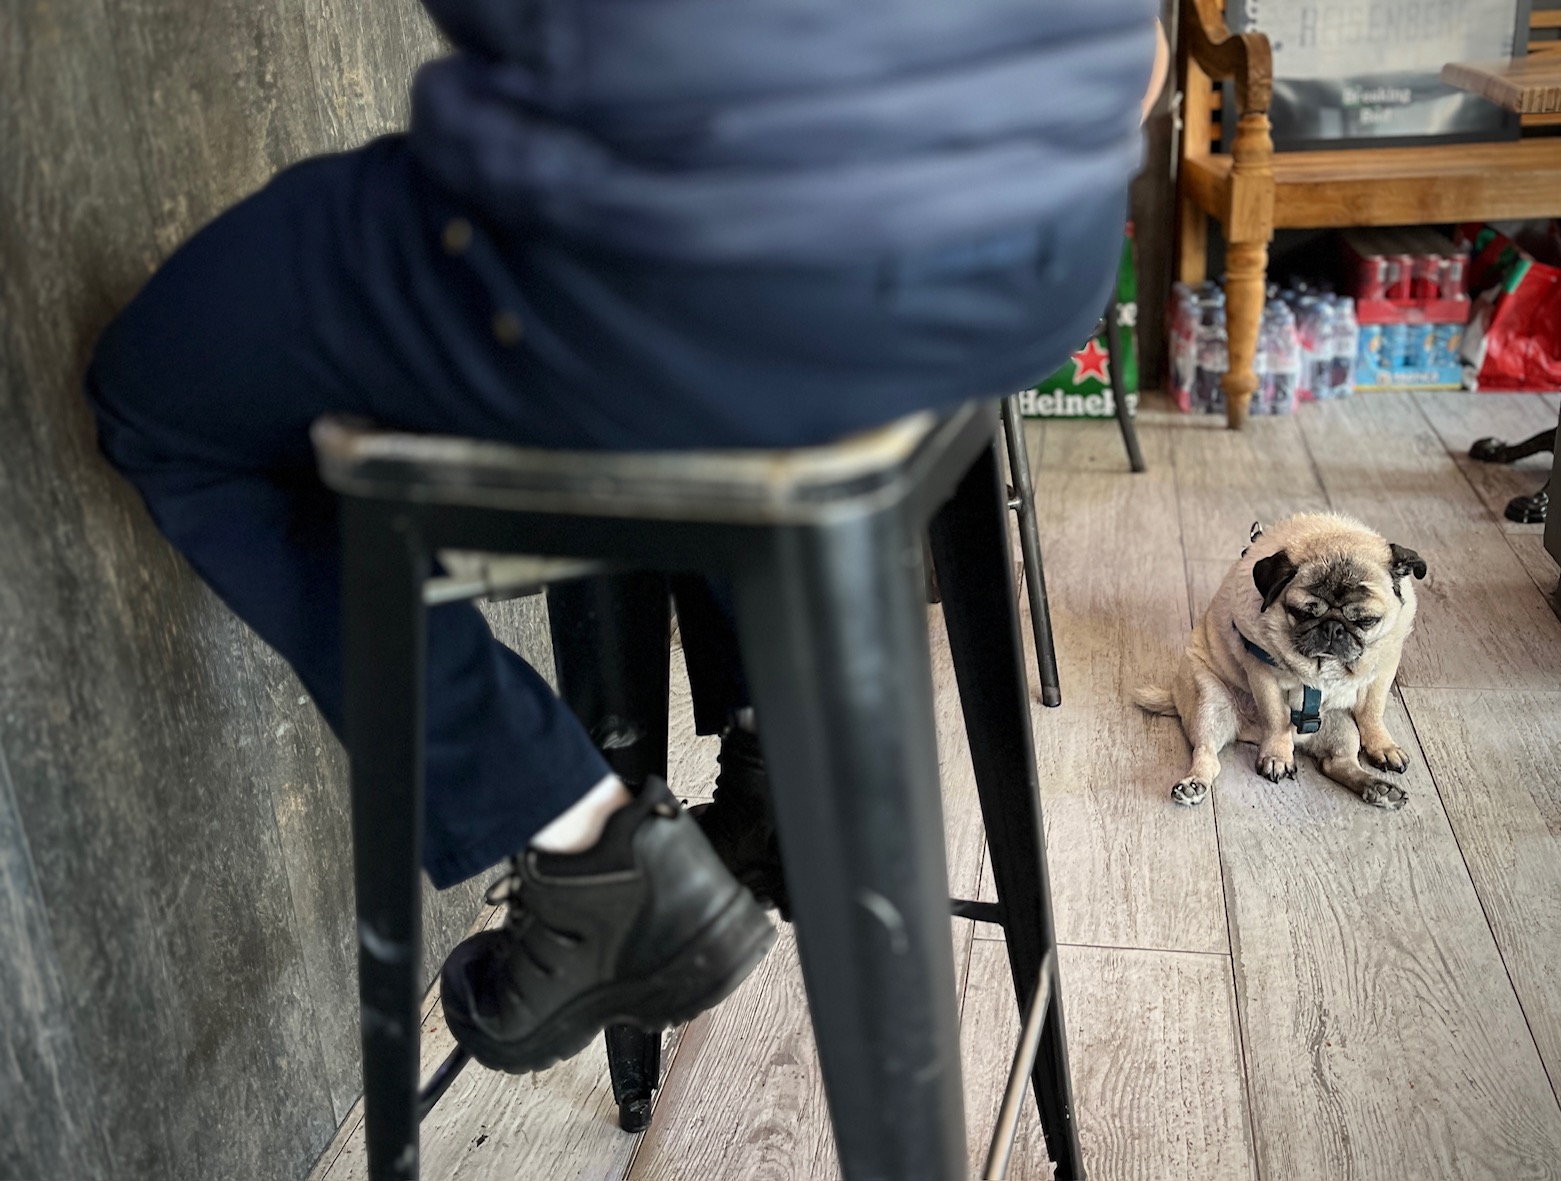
1252, 190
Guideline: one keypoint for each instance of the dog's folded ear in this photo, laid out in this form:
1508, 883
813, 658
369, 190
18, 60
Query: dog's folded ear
1272, 574
1405, 562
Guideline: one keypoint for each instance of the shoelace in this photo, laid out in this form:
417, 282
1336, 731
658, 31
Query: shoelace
509, 892
506, 891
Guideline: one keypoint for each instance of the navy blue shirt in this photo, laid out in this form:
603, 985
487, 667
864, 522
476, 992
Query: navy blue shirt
720, 131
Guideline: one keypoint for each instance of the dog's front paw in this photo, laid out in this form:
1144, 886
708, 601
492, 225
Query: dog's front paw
1190, 791
1386, 757
1379, 793
1274, 767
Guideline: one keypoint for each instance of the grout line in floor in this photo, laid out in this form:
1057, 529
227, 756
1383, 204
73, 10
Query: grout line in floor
1219, 955
1478, 897
1426, 418
1236, 995
1431, 770
1552, 601
1219, 848
487, 916
655, 1100
322, 1169
973, 927
1317, 471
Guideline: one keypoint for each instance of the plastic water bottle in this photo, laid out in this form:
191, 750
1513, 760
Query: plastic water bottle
1184, 344
1345, 340
1284, 361
1213, 360
1263, 392
1317, 341
1305, 324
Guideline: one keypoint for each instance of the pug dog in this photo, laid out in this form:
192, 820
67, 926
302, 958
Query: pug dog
1298, 651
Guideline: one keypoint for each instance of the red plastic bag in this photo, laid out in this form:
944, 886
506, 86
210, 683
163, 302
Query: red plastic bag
1518, 322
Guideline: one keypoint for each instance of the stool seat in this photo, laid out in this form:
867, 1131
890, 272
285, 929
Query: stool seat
822, 549
738, 486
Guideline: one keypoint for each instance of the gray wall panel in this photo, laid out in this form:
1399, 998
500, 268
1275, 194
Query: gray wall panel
176, 951
50, 1124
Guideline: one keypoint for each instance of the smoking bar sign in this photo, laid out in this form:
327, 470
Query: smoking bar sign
1312, 40
1369, 70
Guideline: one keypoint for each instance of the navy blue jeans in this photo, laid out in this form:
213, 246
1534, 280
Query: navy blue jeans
353, 284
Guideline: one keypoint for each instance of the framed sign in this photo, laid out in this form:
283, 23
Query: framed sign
1357, 73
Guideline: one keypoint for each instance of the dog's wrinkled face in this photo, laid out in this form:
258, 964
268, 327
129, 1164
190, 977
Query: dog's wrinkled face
1336, 607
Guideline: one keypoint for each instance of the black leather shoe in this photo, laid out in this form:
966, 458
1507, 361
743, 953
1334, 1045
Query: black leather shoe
739, 821
647, 928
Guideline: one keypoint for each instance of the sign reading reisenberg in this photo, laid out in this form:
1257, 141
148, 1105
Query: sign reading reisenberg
1368, 71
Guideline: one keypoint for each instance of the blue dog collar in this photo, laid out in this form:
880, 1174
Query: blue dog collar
1306, 720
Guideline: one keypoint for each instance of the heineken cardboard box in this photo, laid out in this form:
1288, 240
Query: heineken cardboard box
1082, 387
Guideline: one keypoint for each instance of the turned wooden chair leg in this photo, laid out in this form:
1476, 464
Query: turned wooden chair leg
1249, 226
1246, 264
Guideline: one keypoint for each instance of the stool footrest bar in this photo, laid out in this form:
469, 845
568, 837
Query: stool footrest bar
440, 1083
1007, 1130
981, 912
500, 576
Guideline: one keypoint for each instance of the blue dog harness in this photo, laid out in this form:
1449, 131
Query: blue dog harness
1307, 719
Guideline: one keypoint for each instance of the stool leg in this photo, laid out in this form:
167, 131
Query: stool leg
611, 650
1030, 549
970, 547
834, 634
1135, 457
634, 1062
382, 581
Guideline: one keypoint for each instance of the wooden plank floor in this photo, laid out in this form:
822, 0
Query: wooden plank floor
1282, 985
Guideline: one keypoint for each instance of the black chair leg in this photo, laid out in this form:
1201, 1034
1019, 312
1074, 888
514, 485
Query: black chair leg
1529, 510
383, 574
611, 638
971, 551
1526, 510
1135, 457
834, 634
1023, 503
1491, 450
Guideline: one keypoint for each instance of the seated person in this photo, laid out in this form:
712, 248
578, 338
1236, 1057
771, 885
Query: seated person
758, 223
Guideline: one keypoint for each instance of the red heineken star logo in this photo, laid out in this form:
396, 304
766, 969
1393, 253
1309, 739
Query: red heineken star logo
1091, 361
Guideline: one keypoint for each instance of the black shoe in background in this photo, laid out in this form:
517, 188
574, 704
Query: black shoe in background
739, 821
646, 928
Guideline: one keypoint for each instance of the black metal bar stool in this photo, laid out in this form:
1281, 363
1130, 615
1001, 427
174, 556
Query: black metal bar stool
822, 548
1135, 456
1022, 500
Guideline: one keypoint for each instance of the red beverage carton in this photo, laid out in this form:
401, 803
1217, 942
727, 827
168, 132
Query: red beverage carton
1371, 277
1454, 269
1426, 281
1368, 265
1401, 276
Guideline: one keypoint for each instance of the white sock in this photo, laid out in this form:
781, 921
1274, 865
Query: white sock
581, 826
